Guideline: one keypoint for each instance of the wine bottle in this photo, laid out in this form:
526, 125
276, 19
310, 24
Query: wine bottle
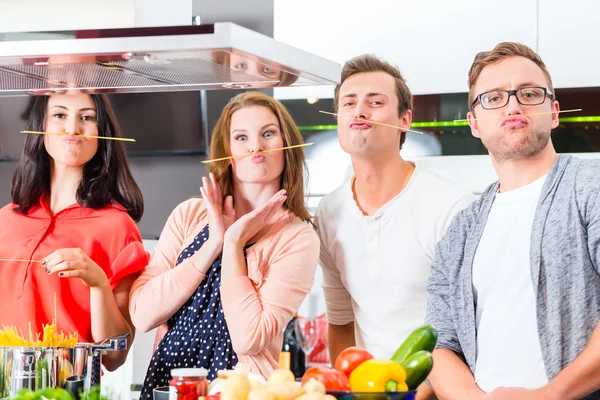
292, 357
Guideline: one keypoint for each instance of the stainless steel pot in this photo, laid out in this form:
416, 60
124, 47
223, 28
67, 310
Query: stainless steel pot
49, 367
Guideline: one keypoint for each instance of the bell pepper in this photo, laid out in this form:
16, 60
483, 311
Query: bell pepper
378, 375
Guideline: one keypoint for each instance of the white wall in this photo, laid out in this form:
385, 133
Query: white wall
162, 12
568, 41
434, 42
52, 15
44, 15
118, 383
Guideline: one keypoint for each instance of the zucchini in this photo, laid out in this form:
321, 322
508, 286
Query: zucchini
417, 367
422, 338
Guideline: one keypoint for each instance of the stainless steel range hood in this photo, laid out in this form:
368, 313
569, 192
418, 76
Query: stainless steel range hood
203, 57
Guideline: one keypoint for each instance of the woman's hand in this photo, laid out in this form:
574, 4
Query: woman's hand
74, 263
220, 216
245, 228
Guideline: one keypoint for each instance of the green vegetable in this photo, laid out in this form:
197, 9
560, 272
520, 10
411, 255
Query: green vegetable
417, 367
4, 387
59, 394
93, 394
42, 374
27, 394
55, 394
423, 338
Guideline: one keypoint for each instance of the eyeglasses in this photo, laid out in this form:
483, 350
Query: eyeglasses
527, 96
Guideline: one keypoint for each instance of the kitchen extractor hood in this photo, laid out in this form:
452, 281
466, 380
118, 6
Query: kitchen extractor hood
197, 57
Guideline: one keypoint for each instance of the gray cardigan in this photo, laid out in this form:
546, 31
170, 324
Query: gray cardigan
565, 267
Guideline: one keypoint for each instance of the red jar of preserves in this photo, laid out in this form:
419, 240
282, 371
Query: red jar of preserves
188, 383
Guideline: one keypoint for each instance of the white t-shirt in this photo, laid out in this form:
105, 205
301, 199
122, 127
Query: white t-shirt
375, 268
508, 344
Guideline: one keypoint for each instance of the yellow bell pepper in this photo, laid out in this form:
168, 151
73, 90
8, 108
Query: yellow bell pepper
378, 375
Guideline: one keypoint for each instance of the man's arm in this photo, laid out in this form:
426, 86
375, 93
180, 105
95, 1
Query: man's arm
581, 376
451, 378
577, 380
338, 302
340, 338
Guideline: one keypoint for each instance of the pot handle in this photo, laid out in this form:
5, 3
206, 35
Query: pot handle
115, 343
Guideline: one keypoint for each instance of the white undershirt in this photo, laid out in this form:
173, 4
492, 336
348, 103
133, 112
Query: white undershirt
375, 268
508, 344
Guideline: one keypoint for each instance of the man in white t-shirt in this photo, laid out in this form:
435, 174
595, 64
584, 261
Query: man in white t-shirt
379, 230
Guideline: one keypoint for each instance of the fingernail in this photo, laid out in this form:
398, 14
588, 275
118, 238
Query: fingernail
43, 262
61, 274
47, 270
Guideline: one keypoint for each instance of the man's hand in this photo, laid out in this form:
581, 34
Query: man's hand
515, 393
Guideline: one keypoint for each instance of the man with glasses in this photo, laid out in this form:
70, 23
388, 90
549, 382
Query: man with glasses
515, 286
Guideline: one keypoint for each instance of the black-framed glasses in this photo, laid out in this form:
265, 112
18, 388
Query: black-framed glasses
527, 96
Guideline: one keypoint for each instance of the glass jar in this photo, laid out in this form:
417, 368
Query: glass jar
188, 384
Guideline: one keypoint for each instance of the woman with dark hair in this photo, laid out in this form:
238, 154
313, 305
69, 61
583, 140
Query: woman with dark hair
231, 269
74, 208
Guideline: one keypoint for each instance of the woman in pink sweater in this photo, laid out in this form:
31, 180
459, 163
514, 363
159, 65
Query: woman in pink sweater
231, 269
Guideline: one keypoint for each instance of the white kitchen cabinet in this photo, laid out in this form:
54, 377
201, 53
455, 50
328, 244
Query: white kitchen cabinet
432, 42
65, 15
568, 41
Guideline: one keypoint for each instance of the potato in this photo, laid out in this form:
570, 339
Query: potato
260, 392
241, 367
282, 375
257, 385
253, 377
285, 390
314, 386
280, 391
224, 373
236, 387
216, 386
296, 387
311, 396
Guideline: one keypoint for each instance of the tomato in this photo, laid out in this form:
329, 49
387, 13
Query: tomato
215, 396
331, 378
351, 358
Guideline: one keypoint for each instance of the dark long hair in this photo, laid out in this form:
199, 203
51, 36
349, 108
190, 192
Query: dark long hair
106, 177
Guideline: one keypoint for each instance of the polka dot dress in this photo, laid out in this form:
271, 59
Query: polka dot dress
198, 334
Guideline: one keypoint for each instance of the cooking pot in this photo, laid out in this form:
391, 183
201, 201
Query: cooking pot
49, 367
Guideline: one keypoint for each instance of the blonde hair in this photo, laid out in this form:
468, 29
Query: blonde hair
294, 168
500, 52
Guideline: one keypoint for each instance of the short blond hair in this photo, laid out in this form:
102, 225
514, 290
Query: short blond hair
500, 52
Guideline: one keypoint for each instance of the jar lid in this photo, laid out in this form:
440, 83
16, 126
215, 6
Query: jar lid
185, 372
